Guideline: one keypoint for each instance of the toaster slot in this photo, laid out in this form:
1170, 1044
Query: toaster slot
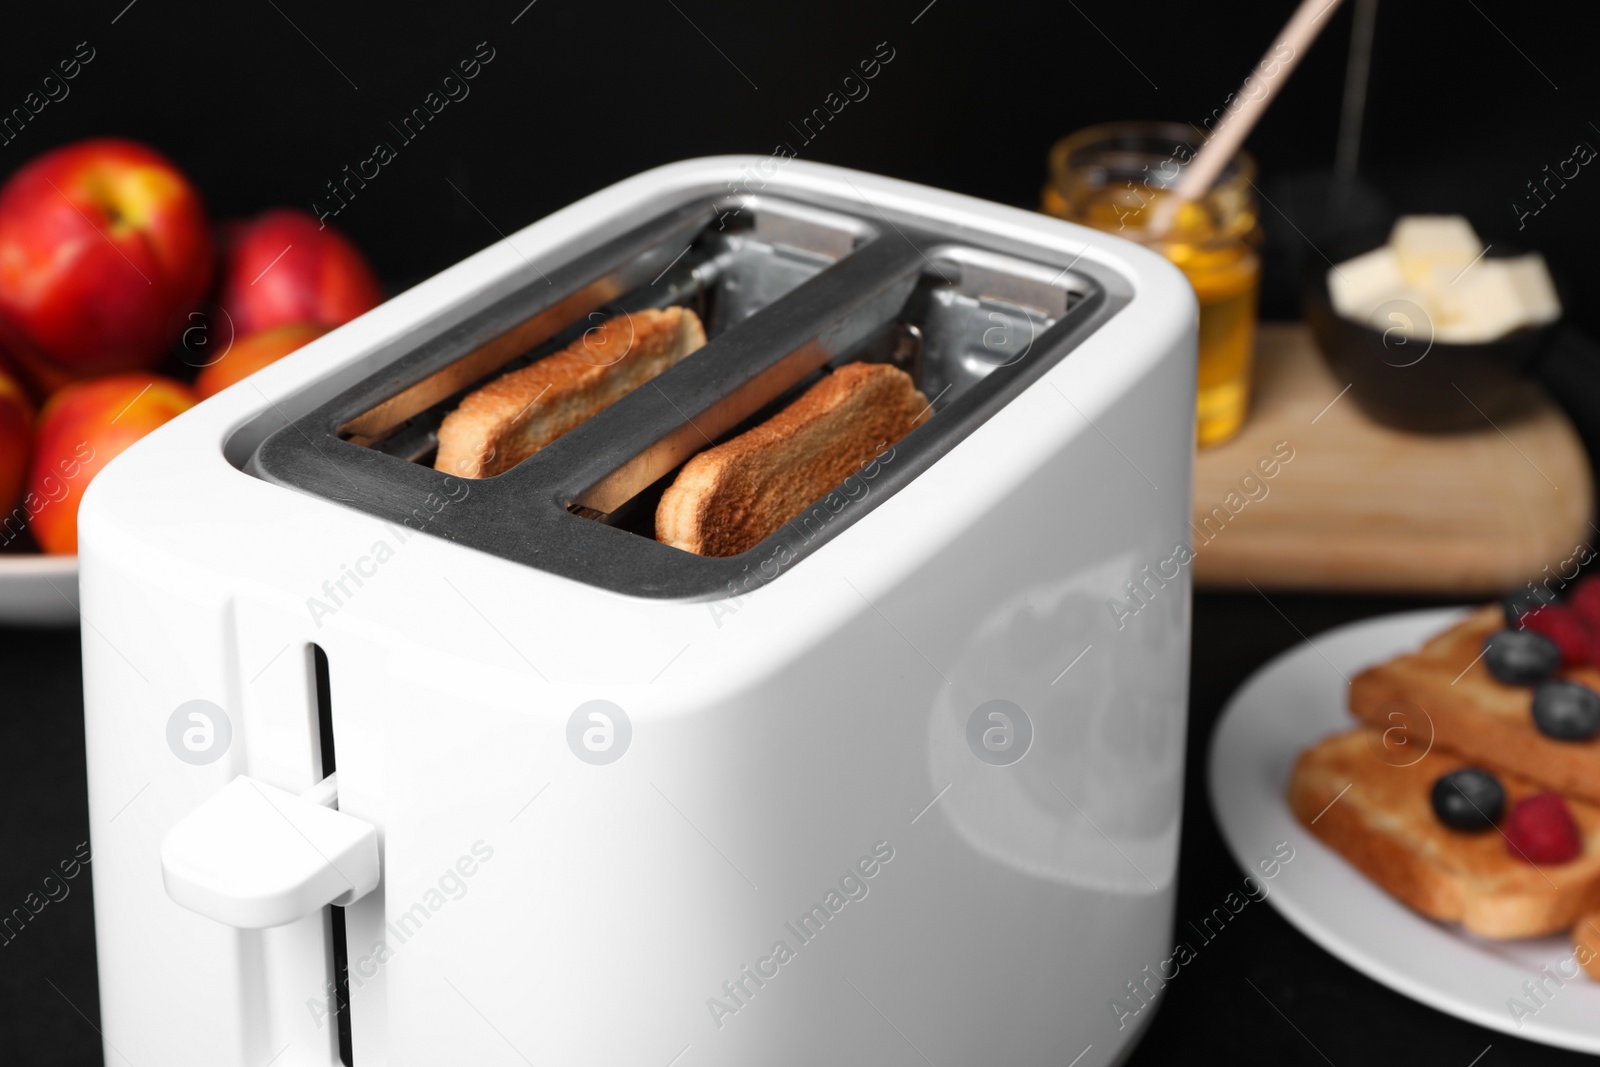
978, 312
743, 256
968, 314
787, 287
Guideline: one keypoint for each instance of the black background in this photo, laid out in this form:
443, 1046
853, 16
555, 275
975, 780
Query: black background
1469, 100
261, 110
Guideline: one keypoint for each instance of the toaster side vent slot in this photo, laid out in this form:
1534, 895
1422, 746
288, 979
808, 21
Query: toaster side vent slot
341, 950
341, 986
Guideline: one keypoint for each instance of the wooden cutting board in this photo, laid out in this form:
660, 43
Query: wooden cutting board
1351, 505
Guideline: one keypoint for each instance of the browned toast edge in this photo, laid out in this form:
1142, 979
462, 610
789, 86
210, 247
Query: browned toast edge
506, 420
724, 502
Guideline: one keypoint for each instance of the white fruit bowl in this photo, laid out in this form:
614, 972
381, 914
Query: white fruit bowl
38, 590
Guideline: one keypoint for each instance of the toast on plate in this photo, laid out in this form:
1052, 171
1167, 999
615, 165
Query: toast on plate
1472, 713
1380, 817
506, 421
1586, 944
729, 498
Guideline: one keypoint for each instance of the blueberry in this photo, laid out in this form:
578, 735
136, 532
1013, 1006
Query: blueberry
1521, 657
1469, 800
1566, 711
1521, 601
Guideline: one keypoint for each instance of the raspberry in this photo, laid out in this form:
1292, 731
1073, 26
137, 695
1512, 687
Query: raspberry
1562, 625
1585, 601
1540, 829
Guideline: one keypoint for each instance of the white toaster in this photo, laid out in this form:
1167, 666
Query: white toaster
388, 767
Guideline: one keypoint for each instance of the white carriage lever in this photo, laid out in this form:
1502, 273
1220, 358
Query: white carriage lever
254, 855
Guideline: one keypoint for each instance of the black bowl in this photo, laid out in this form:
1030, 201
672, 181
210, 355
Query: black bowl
1413, 382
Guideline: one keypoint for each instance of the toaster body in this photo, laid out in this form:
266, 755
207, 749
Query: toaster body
900, 785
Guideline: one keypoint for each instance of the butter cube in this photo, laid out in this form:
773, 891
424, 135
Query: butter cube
1357, 286
1404, 311
1482, 305
1535, 288
1430, 245
1437, 264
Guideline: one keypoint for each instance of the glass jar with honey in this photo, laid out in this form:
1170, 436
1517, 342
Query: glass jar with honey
1115, 178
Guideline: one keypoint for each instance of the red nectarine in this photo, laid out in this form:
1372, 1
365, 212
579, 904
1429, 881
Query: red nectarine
250, 354
281, 268
81, 429
103, 243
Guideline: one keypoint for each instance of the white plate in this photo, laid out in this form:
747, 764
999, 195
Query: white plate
1285, 706
38, 590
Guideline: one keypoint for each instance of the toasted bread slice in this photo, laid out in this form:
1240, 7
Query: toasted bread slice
511, 418
1586, 944
1385, 826
1474, 714
728, 498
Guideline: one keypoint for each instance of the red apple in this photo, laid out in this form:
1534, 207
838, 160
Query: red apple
103, 243
80, 430
16, 441
249, 354
281, 268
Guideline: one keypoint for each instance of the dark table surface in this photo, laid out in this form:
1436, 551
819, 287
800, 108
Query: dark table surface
1319, 1008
